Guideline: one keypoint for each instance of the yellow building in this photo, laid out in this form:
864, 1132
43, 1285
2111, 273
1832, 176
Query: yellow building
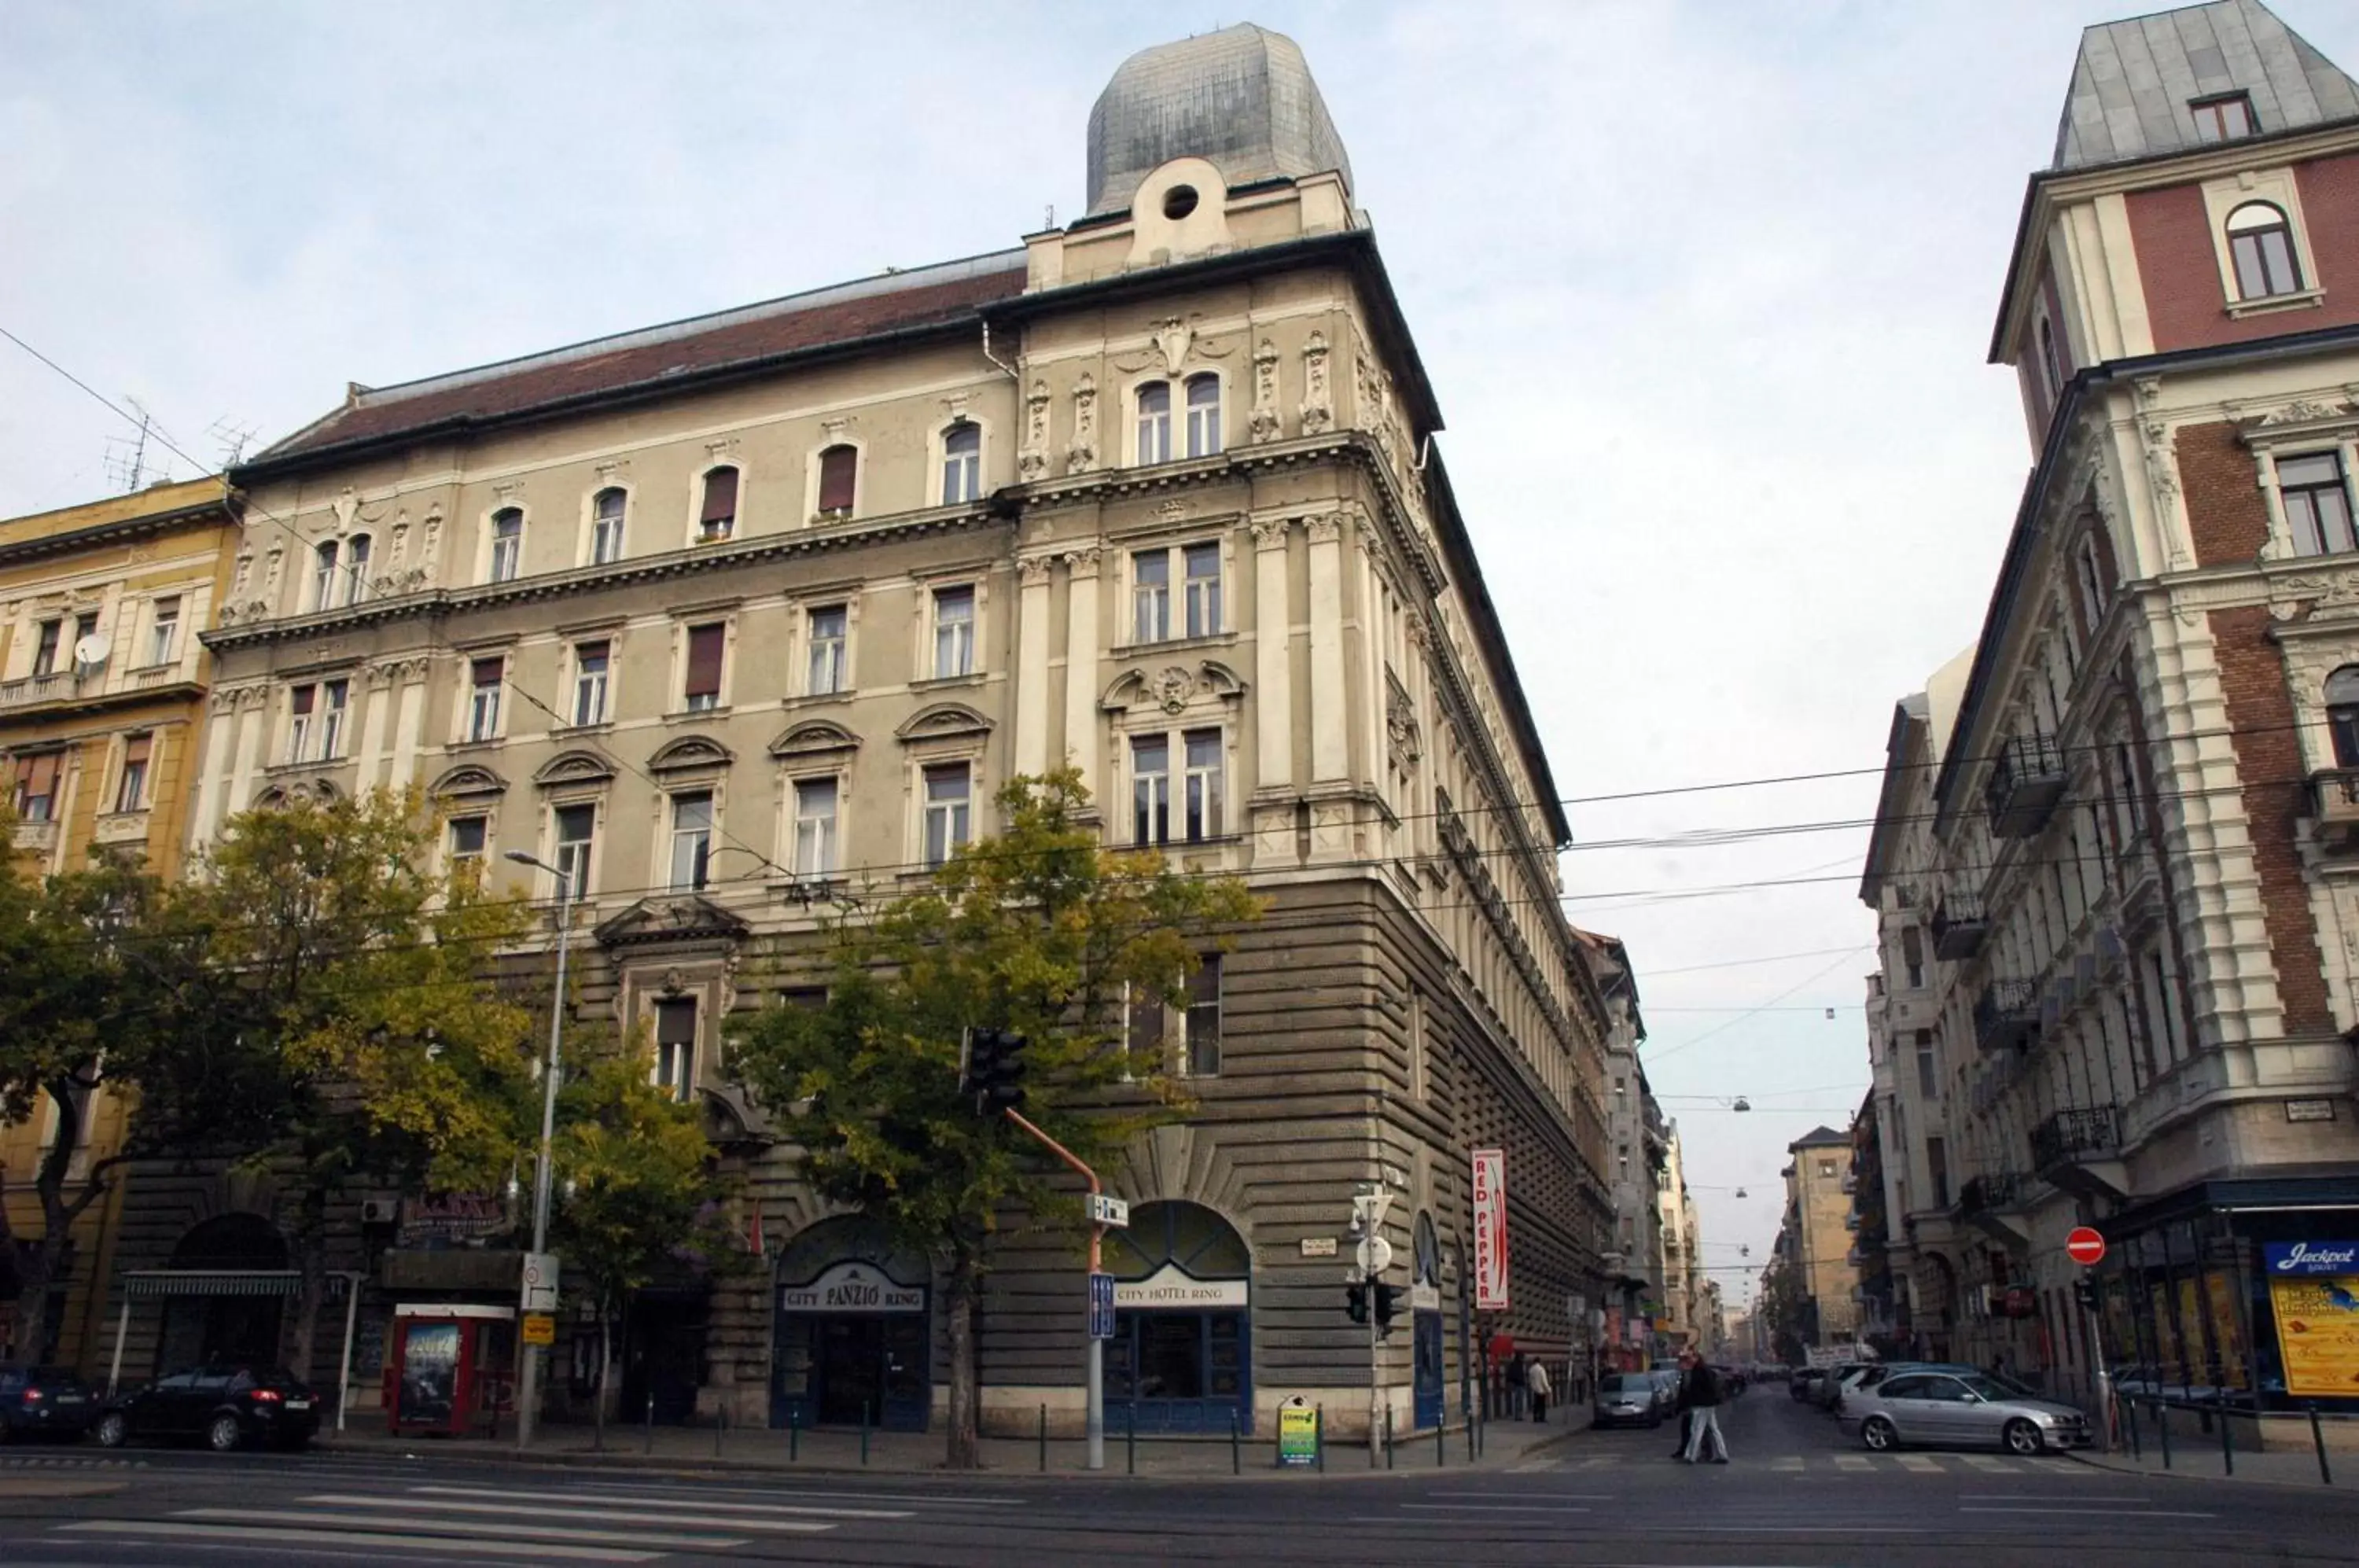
102, 687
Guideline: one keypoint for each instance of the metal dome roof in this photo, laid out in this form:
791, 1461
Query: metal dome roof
1241, 98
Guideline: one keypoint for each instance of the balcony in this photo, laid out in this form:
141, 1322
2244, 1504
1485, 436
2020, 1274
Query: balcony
2027, 779
1959, 925
2080, 1151
35, 838
2334, 807
54, 687
1985, 1198
2006, 1016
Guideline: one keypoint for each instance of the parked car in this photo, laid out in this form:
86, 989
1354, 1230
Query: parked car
1960, 1409
226, 1407
1827, 1392
1627, 1398
1666, 1388
43, 1401
1799, 1385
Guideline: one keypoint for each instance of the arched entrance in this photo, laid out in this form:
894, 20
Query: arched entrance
1425, 1305
853, 1339
230, 1322
1181, 1357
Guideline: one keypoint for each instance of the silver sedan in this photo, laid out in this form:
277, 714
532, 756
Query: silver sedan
1960, 1410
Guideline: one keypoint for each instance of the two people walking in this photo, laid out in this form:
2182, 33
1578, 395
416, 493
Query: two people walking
1699, 1400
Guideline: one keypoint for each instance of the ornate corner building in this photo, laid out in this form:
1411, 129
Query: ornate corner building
2113, 862
737, 617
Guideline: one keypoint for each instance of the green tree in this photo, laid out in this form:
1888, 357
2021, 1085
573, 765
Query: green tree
1039, 930
361, 1035
642, 1195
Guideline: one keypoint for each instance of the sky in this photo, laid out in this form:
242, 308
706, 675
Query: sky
1705, 290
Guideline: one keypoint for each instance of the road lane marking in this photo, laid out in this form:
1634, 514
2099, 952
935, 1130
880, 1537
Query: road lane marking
1800, 1529
574, 1500
1489, 1508
1790, 1462
445, 1546
487, 1530
1989, 1461
1922, 1463
655, 1492
2043, 1498
1854, 1462
616, 1516
1533, 1467
1523, 1496
2083, 1508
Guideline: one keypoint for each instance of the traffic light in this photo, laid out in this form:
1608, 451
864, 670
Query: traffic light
994, 1070
2085, 1292
1385, 1294
1356, 1302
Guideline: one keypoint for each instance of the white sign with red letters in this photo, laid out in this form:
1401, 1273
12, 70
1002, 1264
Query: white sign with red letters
1490, 1230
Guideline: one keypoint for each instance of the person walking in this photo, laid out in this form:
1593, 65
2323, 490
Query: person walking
1700, 1391
1536, 1379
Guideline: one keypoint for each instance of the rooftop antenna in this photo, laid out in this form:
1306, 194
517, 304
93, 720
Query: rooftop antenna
229, 439
126, 456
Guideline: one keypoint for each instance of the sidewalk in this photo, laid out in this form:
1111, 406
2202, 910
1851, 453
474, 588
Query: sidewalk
835, 1450
2198, 1456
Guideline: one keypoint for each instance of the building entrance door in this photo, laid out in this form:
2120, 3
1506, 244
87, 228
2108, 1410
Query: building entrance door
1179, 1371
853, 1346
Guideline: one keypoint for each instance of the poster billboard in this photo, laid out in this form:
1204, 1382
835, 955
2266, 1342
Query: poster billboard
1490, 1230
2313, 1286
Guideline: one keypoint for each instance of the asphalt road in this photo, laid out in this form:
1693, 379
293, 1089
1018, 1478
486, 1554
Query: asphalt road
1797, 1493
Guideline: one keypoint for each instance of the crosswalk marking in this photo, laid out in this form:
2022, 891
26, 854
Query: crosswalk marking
1788, 1462
1988, 1461
1923, 1463
529, 1510
1854, 1462
1533, 1467
668, 1541
573, 1500
443, 1546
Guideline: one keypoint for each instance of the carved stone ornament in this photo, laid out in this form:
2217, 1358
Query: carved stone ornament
2301, 410
1326, 528
674, 982
1318, 399
1263, 426
1172, 510
1032, 463
1269, 533
1082, 562
2161, 468
1082, 457
1032, 570
347, 507
1400, 725
1172, 687
1172, 337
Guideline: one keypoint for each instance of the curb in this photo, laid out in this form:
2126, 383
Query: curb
2143, 1474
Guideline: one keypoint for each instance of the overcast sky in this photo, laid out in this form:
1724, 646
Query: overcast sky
1704, 288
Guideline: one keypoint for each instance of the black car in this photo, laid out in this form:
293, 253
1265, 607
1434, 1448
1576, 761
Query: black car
43, 1401
226, 1407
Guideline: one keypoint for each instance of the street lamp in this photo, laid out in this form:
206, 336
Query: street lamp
528, 1400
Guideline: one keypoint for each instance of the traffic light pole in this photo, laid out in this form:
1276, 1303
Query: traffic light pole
1096, 1410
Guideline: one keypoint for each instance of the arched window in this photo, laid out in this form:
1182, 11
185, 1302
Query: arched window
324, 575
356, 569
1155, 422
717, 519
839, 481
2260, 242
1203, 415
508, 544
961, 462
606, 526
2343, 715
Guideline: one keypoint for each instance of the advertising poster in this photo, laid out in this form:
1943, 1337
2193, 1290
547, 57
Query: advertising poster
2315, 1292
1490, 1230
430, 1373
1297, 1433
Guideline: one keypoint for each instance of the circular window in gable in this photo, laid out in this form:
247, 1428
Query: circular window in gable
1179, 201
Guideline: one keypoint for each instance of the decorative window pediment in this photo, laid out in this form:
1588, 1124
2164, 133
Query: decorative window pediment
1172, 687
815, 739
671, 918
466, 779
944, 721
582, 767
689, 752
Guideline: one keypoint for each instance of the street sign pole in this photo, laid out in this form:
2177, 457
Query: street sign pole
1101, 1209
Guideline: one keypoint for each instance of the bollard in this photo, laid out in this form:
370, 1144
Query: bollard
651, 1423
794, 1436
1441, 1449
2162, 1423
2137, 1454
864, 1435
1470, 1434
1130, 1437
2318, 1441
1319, 1432
1388, 1434
1236, 1450
1044, 1440
2227, 1446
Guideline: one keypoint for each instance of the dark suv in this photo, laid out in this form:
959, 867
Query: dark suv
225, 1406
43, 1401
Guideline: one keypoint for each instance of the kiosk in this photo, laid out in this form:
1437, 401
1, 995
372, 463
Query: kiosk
447, 1369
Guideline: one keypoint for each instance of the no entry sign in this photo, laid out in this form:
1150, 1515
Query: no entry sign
2085, 1246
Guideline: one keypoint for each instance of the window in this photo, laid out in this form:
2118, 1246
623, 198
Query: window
1150, 592
1142, 1028
953, 632
1826, 1168
717, 519
1155, 422
508, 544
2093, 583
2221, 119
961, 462
839, 480
702, 689
1929, 1081
1150, 790
483, 698
44, 650
947, 789
299, 722
590, 666
691, 839
2317, 503
1912, 956
131, 789
2260, 242
1203, 415
164, 631
1204, 567
1937, 1164
1203, 784
2051, 360
828, 647
37, 786
814, 827
333, 695
606, 526
1204, 1019
356, 565
468, 835
676, 1045
2343, 715
1150, 595
576, 829
324, 575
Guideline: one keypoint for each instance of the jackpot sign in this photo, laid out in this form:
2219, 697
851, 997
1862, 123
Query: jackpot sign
1490, 1230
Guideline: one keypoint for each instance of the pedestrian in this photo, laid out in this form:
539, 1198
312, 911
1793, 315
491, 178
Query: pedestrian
1537, 1380
1699, 1391
1515, 1383
1686, 1415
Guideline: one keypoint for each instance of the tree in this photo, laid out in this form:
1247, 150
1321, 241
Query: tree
1039, 931
360, 1034
641, 1193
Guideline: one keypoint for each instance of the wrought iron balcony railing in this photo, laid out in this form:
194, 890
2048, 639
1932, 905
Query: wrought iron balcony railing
2027, 779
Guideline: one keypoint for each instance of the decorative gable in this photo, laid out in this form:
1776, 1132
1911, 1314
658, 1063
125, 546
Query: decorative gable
582, 766
689, 752
1172, 687
671, 918
944, 721
812, 740
465, 780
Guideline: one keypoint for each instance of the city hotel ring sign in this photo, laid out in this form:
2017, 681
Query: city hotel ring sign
1170, 1286
851, 1288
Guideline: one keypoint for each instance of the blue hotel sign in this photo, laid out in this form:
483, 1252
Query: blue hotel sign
2287, 1258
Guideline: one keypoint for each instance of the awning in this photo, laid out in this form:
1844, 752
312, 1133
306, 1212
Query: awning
151, 1282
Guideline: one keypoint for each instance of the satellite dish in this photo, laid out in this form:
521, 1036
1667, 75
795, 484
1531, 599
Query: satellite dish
92, 649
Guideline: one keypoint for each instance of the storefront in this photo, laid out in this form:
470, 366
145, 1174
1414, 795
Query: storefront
853, 1331
1180, 1359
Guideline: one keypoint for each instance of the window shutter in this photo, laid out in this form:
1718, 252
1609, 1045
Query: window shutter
134, 750
704, 661
302, 701
839, 467
38, 775
719, 496
487, 671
